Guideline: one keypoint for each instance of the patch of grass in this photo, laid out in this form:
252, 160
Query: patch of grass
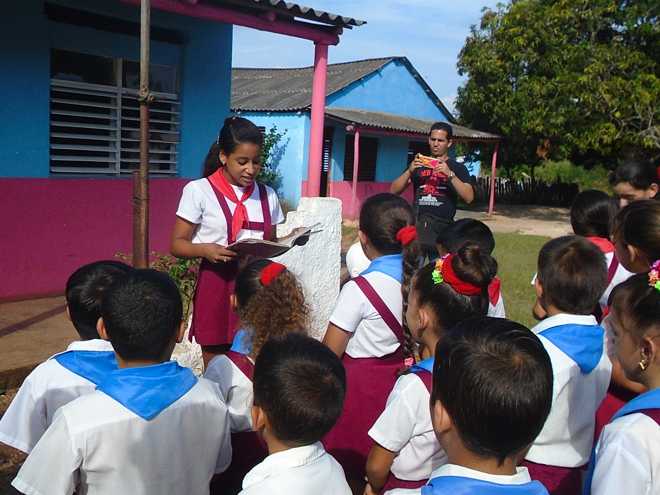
516, 256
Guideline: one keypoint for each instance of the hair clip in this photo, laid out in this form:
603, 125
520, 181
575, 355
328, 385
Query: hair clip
436, 274
406, 235
270, 273
654, 275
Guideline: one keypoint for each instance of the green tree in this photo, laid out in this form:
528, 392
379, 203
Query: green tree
565, 79
271, 152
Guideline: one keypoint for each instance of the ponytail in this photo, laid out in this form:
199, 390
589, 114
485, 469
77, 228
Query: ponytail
411, 254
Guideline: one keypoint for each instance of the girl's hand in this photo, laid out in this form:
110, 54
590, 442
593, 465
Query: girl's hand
218, 254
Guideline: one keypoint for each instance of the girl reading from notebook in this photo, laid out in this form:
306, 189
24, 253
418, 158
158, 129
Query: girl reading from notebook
224, 206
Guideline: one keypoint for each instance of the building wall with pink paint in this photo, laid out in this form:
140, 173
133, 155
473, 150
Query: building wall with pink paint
52, 226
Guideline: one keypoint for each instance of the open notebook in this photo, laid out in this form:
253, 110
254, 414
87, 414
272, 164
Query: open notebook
271, 249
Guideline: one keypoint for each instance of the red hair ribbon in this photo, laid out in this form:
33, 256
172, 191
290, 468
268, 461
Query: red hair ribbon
406, 234
460, 286
270, 273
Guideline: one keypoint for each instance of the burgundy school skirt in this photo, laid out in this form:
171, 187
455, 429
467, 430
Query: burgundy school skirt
248, 450
213, 321
557, 480
393, 482
369, 382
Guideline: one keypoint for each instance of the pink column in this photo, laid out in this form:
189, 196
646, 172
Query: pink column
356, 168
318, 112
493, 176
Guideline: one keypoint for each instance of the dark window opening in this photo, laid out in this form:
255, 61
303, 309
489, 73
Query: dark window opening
368, 157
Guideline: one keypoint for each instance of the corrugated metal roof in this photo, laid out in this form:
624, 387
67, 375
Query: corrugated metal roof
293, 10
281, 90
397, 123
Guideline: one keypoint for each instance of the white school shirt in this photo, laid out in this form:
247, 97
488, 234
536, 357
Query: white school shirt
301, 470
96, 446
405, 427
48, 387
628, 457
199, 205
621, 275
567, 437
353, 313
356, 260
236, 388
520, 478
497, 311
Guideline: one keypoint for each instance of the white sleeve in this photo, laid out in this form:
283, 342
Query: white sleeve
351, 308
497, 311
276, 215
621, 465
224, 456
53, 465
26, 420
236, 390
396, 424
191, 205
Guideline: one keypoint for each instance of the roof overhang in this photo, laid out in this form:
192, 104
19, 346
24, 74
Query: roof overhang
390, 124
274, 16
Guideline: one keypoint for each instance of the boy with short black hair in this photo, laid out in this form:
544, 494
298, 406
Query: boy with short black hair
299, 387
492, 391
139, 432
68, 375
453, 237
572, 275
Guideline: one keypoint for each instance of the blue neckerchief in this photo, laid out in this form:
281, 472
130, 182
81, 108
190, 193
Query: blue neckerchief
242, 342
391, 264
459, 485
647, 400
91, 365
148, 390
582, 343
425, 365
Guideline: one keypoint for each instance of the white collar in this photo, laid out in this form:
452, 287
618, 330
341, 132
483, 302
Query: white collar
564, 319
90, 345
521, 476
287, 459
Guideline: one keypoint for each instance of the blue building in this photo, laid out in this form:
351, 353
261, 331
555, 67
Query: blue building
381, 107
69, 126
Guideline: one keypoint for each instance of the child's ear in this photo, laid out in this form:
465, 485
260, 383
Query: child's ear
650, 351
363, 238
424, 318
538, 287
68, 313
636, 256
181, 332
233, 303
653, 188
223, 158
100, 328
440, 418
259, 420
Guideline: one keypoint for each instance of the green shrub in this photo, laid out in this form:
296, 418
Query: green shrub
271, 152
565, 171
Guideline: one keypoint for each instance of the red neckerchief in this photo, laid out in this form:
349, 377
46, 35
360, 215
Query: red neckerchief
601, 243
240, 216
494, 291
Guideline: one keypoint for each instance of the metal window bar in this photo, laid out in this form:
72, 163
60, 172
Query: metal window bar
93, 129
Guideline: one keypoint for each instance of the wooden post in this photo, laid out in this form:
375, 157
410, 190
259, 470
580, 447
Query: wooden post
141, 177
493, 176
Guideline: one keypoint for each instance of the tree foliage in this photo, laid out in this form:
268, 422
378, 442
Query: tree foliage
271, 152
565, 79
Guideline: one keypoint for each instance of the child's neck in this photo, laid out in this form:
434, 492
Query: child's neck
465, 458
430, 340
275, 445
137, 363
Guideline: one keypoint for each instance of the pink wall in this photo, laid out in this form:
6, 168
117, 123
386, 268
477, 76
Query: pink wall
343, 190
52, 226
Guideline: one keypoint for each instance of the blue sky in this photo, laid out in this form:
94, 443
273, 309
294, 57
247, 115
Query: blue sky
430, 33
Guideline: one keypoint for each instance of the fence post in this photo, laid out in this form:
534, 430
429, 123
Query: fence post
493, 176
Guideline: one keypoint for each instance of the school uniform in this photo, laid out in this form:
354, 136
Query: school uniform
308, 469
202, 203
370, 309
616, 273
356, 260
145, 430
233, 373
495, 300
54, 383
581, 372
627, 456
405, 427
